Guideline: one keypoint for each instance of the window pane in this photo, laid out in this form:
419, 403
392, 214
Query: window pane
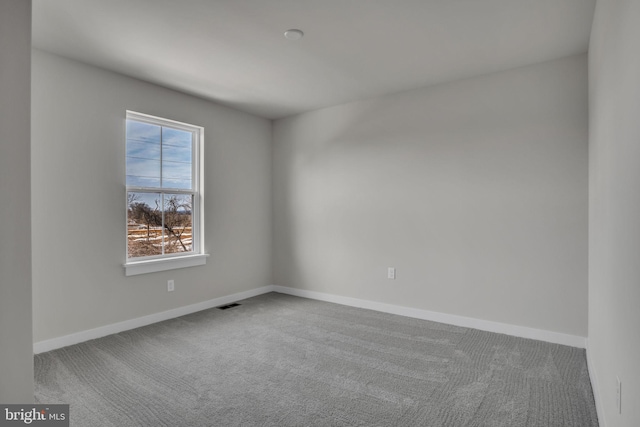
143, 132
178, 223
174, 153
177, 150
176, 175
176, 138
142, 172
143, 150
181, 184
143, 154
144, 224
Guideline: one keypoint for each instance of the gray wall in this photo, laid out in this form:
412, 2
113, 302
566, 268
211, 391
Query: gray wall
78, 199
476, 191
614, 208
16, 350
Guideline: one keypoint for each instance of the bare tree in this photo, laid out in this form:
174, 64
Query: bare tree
177, 218
174, 219
142, 212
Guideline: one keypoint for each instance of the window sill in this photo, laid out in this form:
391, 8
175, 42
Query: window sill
151, 266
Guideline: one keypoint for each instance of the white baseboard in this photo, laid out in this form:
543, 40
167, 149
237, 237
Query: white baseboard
468, 322
485, 325
595, 386
102, 331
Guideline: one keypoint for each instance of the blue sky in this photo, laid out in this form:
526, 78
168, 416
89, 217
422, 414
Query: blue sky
147, 144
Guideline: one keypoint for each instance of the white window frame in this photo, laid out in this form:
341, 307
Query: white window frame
150, 264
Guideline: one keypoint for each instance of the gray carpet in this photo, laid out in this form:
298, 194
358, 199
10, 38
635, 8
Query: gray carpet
278, 360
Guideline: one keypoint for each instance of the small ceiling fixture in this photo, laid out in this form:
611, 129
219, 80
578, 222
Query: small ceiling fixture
293, 34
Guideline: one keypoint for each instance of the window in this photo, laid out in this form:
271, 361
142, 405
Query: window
164, 220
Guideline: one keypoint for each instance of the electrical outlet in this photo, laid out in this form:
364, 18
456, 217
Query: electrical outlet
619, 395
170, 286
391, 273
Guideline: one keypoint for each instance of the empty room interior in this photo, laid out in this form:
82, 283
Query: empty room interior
305, 212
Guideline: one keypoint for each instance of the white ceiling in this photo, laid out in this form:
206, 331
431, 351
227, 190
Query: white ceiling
233, 51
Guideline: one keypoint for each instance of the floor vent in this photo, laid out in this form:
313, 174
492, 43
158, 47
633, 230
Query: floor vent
224, 307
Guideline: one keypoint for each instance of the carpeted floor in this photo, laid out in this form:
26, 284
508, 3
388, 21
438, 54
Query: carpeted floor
278, 360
